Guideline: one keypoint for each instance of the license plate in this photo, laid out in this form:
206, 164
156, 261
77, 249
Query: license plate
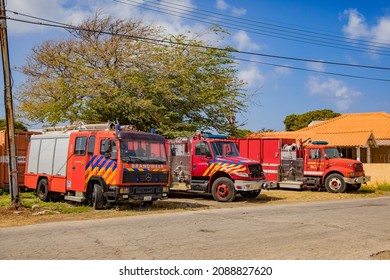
147, 198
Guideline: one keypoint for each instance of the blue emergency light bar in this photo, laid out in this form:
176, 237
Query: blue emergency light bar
319, 143
215, 136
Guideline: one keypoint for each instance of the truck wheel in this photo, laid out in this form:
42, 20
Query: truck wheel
97, 197
223, 190
43, 190
334, 183
250, 195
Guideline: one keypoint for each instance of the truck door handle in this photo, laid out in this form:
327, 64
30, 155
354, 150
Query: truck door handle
73, 167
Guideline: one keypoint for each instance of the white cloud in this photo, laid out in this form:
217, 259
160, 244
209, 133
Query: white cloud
336, 90
238, 11
282, 71
223, 6
357, 28
74, 12
252, 76
316, 66
381, 32
244, 41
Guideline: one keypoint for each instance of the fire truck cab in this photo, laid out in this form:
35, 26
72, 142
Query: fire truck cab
97, 164
212, 164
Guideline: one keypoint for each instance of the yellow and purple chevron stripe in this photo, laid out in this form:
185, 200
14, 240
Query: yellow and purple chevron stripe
228, 166
103, 167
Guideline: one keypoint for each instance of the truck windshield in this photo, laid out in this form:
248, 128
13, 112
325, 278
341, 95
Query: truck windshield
221, 149
142, 151
332, 153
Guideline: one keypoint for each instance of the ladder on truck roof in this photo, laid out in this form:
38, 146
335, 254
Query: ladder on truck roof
80, 126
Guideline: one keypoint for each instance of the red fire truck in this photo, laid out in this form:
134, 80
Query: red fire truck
298, 166
212, 164
97, 164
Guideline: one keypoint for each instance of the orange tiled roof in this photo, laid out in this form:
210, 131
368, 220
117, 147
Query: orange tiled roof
377, 122
345, 130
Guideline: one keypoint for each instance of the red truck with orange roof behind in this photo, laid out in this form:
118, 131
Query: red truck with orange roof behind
304, 165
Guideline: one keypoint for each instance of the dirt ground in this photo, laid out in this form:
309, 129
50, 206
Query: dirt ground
176, 202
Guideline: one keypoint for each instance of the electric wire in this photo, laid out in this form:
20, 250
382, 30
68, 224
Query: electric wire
230, 50
257, 22
166, 42
298, 37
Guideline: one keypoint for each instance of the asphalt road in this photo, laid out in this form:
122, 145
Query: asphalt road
353, 229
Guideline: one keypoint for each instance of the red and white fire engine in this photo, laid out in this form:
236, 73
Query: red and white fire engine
212, 164
97, 164
298, 166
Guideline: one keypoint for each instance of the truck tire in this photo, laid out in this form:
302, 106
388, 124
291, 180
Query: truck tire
43, 190
334, 183
97, 197
250, 195
223, 190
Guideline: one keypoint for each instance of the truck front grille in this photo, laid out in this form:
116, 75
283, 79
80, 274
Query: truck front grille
256, 171
145, 177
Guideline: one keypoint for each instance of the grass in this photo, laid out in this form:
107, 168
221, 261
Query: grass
32, 210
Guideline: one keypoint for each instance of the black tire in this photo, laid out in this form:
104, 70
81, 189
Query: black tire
334, 183
223, 190
250, 195
353, 188
43, 190
97, 197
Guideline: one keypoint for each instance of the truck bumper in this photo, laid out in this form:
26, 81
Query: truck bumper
357, 180
242, 185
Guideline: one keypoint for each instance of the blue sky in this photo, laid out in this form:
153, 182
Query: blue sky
349, 32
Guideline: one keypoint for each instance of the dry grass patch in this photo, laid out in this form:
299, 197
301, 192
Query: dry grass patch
33, 211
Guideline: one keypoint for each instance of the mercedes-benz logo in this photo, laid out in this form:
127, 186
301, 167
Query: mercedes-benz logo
148, 176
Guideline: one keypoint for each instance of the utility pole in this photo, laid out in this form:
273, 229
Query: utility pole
9, 113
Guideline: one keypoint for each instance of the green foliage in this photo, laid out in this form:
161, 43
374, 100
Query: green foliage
295, 122
241, 133
18, 125
28, 199
383, 187
175, 88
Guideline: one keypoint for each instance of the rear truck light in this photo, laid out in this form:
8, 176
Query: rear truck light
241, 174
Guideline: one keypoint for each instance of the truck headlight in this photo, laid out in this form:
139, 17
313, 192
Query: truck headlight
241, 174
124, 190
352, 174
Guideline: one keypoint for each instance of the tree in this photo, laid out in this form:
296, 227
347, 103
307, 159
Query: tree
133, 77
18, 125
295, 122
